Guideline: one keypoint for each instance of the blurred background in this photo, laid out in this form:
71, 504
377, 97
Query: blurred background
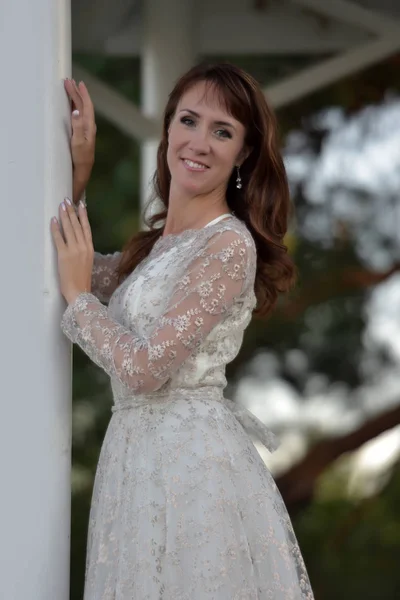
323, 372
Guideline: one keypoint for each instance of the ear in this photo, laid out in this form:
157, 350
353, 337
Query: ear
244, 154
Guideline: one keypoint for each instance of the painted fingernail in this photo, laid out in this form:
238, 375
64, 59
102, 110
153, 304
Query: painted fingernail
68, 201
54, 219
63, 206
75, 113
81, 204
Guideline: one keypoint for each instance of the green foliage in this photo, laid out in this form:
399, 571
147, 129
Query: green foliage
351, 548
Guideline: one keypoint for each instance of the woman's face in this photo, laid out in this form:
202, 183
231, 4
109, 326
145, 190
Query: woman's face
204, 144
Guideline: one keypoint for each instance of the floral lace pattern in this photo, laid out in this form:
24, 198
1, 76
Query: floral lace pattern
104, 276
183, 506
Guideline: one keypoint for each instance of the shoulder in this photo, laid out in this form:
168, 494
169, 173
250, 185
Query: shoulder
231, 233
231, 244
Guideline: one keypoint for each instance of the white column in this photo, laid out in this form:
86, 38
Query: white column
35, 423
168, 50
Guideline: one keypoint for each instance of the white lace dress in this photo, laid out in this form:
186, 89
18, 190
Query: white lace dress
183, 506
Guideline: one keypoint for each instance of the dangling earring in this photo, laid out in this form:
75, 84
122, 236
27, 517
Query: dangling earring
238, 179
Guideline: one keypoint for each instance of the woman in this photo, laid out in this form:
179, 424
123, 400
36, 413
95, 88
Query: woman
183, 507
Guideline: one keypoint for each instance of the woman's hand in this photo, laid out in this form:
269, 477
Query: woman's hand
83, 139
75, 250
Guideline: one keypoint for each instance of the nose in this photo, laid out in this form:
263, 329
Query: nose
199, 142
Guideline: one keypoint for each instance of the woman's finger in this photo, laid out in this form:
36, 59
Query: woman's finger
73, 93
88, 108
57, 236
79, 104
84, 221
70, 214
78, 127
68, 230
75, 222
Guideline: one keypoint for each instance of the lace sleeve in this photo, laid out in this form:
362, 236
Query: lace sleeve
200, 300
104, 276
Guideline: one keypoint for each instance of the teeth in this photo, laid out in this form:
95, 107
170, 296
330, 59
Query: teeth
194, 165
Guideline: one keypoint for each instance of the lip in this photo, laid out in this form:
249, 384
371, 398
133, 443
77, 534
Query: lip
195, 161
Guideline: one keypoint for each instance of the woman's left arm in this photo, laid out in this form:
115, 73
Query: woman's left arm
72, 236
200, 300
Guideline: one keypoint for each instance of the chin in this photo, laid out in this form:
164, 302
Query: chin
191, 187
192, 191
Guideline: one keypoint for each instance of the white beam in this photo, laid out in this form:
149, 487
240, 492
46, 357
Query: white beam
236, 27
35, 425
167, 51
117, 109
353, 14
280, 30
329, 71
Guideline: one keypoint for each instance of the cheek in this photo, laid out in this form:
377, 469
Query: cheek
170, 153
227, 159
174, 143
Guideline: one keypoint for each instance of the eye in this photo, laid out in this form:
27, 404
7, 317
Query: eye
224, 133
187, 121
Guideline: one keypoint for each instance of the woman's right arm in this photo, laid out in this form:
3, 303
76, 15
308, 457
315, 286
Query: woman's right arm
83, 142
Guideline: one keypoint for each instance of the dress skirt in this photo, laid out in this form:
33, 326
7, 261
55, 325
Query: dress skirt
184, 508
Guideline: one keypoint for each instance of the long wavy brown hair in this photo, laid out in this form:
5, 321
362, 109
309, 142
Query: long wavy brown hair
263, 202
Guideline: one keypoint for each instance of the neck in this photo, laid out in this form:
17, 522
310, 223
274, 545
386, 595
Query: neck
195, 212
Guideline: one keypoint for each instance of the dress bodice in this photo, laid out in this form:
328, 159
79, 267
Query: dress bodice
176, 321
144, 297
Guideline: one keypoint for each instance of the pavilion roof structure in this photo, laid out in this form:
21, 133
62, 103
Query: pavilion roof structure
342, 37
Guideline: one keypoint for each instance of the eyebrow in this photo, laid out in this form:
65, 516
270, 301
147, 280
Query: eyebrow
195, 114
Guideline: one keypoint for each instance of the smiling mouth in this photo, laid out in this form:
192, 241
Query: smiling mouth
194, 165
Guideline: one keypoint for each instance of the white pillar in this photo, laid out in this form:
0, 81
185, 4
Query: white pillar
168, 50
35, 423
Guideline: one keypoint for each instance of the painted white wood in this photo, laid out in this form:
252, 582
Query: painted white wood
167, 52
354, 14
282, 29
169, 42
35, 425
115, 108
329, 71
